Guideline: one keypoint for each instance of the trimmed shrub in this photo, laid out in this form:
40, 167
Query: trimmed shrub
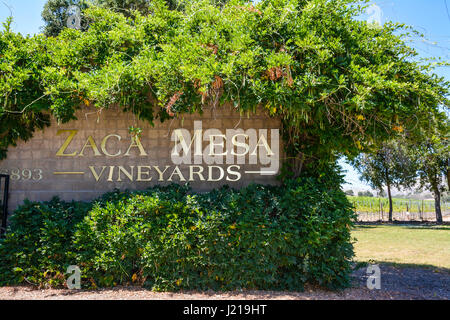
168, 239
38, 244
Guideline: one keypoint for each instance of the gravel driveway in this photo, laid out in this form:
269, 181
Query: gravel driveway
396, 283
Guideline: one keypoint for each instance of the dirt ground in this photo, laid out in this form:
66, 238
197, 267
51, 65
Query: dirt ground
396, 284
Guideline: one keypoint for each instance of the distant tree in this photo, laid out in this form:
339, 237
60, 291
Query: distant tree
365, 194
446, 198
349, 193
392, 165
381, 193
126, 6
55, 13
432, 156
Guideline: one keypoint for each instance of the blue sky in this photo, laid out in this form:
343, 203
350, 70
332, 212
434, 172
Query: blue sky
430, 17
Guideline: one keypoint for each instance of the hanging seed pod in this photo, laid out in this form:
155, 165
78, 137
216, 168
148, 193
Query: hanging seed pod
171, 103
218, 83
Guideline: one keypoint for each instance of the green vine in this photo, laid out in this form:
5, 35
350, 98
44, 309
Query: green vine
339, 85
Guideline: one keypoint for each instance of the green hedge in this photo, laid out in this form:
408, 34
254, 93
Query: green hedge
167, 238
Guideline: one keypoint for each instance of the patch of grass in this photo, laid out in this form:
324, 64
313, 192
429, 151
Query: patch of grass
406, 244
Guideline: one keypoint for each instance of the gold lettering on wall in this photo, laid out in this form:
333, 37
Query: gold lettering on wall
129, 174
177, 172
141, 173
111, 172
210, 169
95, 174
199, 173
213, 144
240, 144
105, 141
112, 146
136, 143
161, 173
170, 173
69, 139
263, 143
234, 173
91, 144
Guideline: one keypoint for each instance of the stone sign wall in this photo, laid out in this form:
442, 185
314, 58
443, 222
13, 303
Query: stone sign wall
83, 159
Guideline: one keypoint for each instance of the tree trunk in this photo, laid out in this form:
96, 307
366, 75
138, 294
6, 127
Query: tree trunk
388, 184
437, 205
448, 174
390, 202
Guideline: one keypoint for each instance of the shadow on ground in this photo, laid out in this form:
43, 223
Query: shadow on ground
409, 281
398, 282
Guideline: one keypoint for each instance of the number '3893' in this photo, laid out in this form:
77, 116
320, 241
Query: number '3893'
17, 174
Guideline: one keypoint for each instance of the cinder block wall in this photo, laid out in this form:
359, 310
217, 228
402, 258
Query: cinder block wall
38, 174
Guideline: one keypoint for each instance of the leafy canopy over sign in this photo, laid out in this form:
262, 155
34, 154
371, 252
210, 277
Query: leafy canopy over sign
339, 85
